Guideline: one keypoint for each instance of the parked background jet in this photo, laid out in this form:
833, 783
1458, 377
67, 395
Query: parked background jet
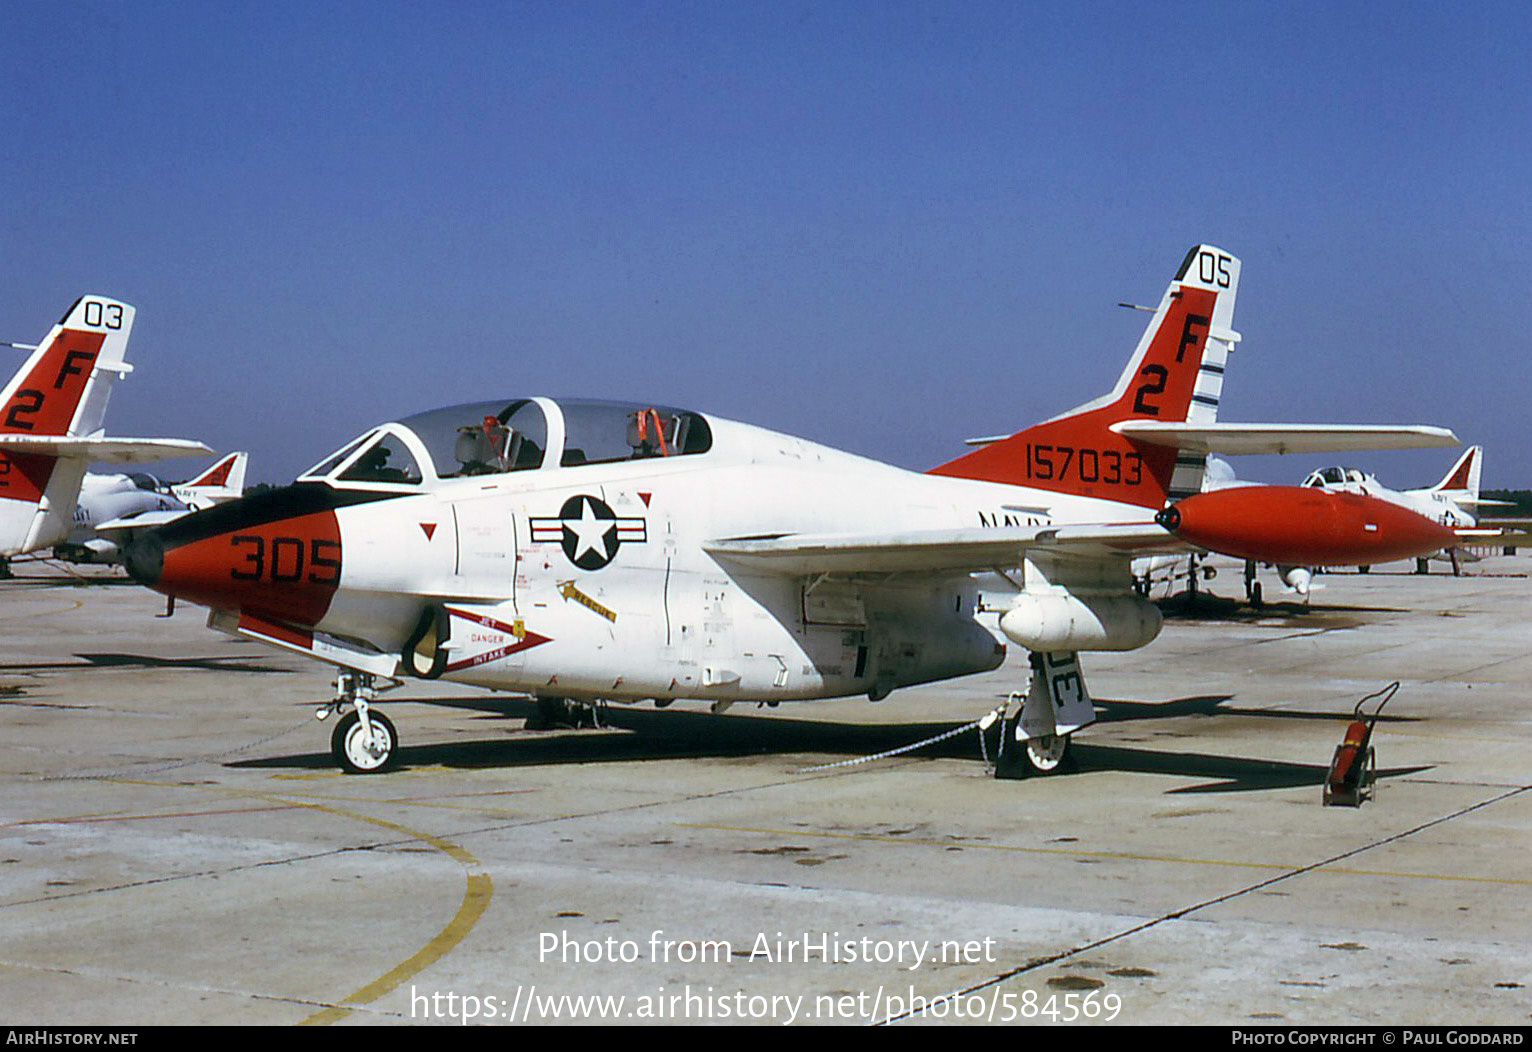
51, 415
1447, 502
111, 508
628, 551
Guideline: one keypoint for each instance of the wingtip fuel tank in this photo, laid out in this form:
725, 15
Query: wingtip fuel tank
1297, 525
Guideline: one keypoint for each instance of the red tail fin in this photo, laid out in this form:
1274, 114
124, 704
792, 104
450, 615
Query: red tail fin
1464, 476
217, 475
1175, 374
60, 392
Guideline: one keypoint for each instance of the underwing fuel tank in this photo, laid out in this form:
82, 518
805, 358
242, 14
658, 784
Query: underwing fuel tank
1051, 623
1303, 526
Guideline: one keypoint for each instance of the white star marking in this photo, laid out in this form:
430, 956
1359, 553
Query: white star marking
590, 532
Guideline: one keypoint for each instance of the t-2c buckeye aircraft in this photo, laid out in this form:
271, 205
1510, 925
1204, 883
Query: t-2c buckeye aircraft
51, 415
599, 550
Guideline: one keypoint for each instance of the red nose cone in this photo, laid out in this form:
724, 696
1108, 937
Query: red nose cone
288, 569
277, 555
1304, 526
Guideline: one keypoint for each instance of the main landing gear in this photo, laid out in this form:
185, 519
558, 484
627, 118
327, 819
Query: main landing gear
1036, 740
1048, 754
1253, 586
1023, 757
554, 713
364, 741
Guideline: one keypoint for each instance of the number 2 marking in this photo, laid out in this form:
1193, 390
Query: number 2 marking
1156, 385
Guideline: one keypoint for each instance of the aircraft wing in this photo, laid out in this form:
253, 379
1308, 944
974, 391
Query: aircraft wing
104, 450
1237, 439
144, 520
940, 551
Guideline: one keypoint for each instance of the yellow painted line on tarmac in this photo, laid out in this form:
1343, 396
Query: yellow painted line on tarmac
150, 816
476, 894
968, 845
69, 607
477, 891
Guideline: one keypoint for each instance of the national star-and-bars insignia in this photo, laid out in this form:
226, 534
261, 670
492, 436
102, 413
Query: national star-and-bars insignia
589, 531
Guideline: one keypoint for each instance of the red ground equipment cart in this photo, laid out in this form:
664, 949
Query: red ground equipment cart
1354, 770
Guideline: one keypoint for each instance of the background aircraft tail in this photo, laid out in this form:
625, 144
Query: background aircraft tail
1175, 375
60, 392
223, 481
1462, 482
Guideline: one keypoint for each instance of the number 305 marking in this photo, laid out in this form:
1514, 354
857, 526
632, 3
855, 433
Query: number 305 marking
282, 562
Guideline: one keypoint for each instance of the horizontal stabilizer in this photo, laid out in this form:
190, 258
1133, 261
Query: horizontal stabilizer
939, 551
144, 520
104, 450
1245, 439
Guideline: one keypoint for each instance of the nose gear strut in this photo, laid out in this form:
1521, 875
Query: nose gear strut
364, 741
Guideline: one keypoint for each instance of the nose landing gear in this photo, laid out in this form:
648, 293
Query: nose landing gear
364, 741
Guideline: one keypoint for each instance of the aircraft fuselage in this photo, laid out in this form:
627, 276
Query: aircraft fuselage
592, 580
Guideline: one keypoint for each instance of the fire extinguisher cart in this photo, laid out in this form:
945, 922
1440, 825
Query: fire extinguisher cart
1353, 773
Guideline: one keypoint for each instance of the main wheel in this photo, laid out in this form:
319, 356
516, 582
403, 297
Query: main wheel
1032, 757
1048, 755
353, 751
552, 714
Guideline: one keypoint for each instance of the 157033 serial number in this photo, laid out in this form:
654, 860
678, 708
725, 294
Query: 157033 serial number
1048, 463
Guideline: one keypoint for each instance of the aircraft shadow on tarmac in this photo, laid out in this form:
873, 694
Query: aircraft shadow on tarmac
211, 664
1212, 705
637, 735
1205, 606
21, 579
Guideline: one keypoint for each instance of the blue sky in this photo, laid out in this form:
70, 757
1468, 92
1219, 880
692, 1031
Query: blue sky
884, 226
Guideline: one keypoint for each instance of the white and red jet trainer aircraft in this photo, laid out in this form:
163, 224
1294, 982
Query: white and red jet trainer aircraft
1448, 502
51, 415
111, 508
597, 550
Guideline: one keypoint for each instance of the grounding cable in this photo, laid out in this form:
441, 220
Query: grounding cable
150, 767
982, 724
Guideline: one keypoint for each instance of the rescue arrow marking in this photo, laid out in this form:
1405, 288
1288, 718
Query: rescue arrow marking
568, 590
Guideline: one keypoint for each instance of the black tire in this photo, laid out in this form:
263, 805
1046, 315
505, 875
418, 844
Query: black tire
1025, 760
350, 754
1056, 758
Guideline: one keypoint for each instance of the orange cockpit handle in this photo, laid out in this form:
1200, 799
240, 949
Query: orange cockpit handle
645, 415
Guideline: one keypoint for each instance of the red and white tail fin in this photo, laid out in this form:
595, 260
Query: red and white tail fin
1462, 482
223, 481
1175, 374
60, 392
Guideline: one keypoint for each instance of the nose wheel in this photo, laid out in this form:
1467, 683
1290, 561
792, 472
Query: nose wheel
364, 741
364, 749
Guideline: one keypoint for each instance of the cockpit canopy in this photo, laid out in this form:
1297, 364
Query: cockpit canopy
1336, 476
526, 434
